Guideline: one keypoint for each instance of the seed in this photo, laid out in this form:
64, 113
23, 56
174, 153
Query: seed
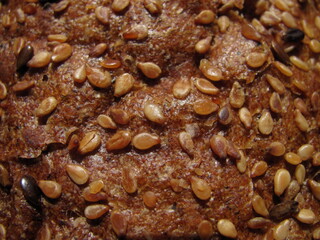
120, 116
3, 91
281, 231
61, 38
93, 197
61, 52
225, 115
288, 20
259, 223
219, 145
259, 206
258, 26
317, 21
144, 141
237, 96
301, 106
203, 45
275, 103
314, 46
77, 173
4, 177
150, 199
119, 223
316, 232
123, 84
306, 216
95, 211
51, 189
80, 74
119, 140
200, 188
206, 87
96, 186
305, 151
282, 180
73, 142
282, 5
30, 190
153, 6
300, 121
90, 142
205, 230
249, 32
265, 123
299, 63
227, 228
30, 8
309, 31
293, 35
245, 117
210, 71
178, 185
276, 84
102, 14
232, 151
129, 180
18, 44
98, 78
153, 112
205, 107
292, 190
110, 63
300, 85
61, 6
21, 18
283, 69
269, 18
256, 59
7, 21
283, 210
46, 107
316, 159
279, 52
186, 143
149, 69
277, 149
242, 163
44, 233
259, 169
119, 5
223, 23
136, 32
24, 56
292, 158
300, 173
315, 188
106, 122
205, 17
23, 86
315, 101
41, 59
98, 50
181, 88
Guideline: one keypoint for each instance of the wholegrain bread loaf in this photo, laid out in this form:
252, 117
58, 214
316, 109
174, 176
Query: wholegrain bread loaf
159, 119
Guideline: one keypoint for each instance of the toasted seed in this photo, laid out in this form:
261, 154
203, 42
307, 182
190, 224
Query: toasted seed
288, 20
301, 106
24, 56
283, 69
317, 21
95, 211
200, 188
249, 32
110, 63
73, 142
227, 228
136, 32
223, 23
205, 107
259, 205
21, 18
7, 20
4, 177
119, 140
316, 232
308, 29
210, 71
149, 69
259, 223
80, 74
119, 5
18, 44
301, 121
98, 78
90, 142
3, 91
300, 85
129, 180
61, 38
281, 231
154, 113
237, 96
205, 230
282, 180
186, 143
205, 17
46, 107
144, 141
292, 190
275, 103
277, 149
299, 63
283, 210
314, 46
305, 151
292, 158
256, 59
293, 35
315, 101
77, 173
120, 116
61, 6
242, 162
123, 84
102, 14
178, 185
203, 45
279, 52
39, 60
44, 233
30, 189
281, 4
315, 188
23, 86
258, 169
98, 50
96, 186
51, 189
245, 117
61, 52
181, 88
153, 6
306, 216
219, 145
119, 223
265, 124
225, 115
106, 122
206, 86
93, 197
30, 9
316, 159
232, 151
149, 199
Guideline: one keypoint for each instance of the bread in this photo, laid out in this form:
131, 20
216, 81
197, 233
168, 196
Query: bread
150, 119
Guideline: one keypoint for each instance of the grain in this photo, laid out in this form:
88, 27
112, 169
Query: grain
205, 17
123, 84
205, 230
282, 180
39, 60
77, 173
24, 56
281, 231
265, 123
305, 151
288, 20
277, 149
219, 146
119, 223
276, 84
227, 228
80, 74
256, 59
153, 6
301, 121
186, 143
119, 140
119, 5
206, 86
299, 63
136, 32
300, 173
306, 216
95, 211
315, 188
153, 112
249, 32
144, 141
181, 88
258, 169
4, 177
150, 199
120, 116
149, 69
200, 188
89, 143
102, 14
98, 78
223, 23
49, 188
106, 122
285, 70
46, 107
292, 158
275, 103
30, 190
210, 71
245, 117
3, 91
98, 50
237, 95
205, 107
225, 115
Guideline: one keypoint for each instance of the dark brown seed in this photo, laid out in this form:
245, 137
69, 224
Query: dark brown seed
24, 56
23, 86
279, 53
293, 35
219, 145
232, 151
283, 210
120, 116
30, 190
225, 115
119, 223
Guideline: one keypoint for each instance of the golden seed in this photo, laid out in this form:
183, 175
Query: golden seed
119, 223
315, 188
223, 23
277, 149
186, 143
178, 185
149, 199
90, 142
225, 115
245, 117
232, 151
256, 59
120, 116
46, 107
275, 103
61, 38
123, 84
61, 52
288, 20
227, 228
283, 69
259, 223
300, 85
282, 180
144, 141
181, 88
269, 18
77, 173
149, 69
3, 91
301, 121
119, 140
219, 145
249, 32
259, 169
96, 186
237, 95
205, 107
305, 151
98, 78
7, 20
80, 74
300, 173
281, 231
200, 188
206, 86
205, 230
136, 32
210, 71
39, 60
265, 124
301, 106
258, 26
51, 189
153, 6
308, 29
4, 177
106, 122
119, 5
18, 44
314, 46
292, 190
316, 232
129, 180
259, 206
276, 84
316, 159
205, 17
110, 63
306, 216
282, 5
153, 112
315, 101
242, 162
299, 63
61, 6
95, 211
317, 21
21, 18
203, 45
292, 158
98, 50
102, 14
93, 197
30, 9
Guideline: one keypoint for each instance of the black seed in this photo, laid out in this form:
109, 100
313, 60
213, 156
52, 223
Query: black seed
284, 210
279, 53
293, 35
24, 56
30, 190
